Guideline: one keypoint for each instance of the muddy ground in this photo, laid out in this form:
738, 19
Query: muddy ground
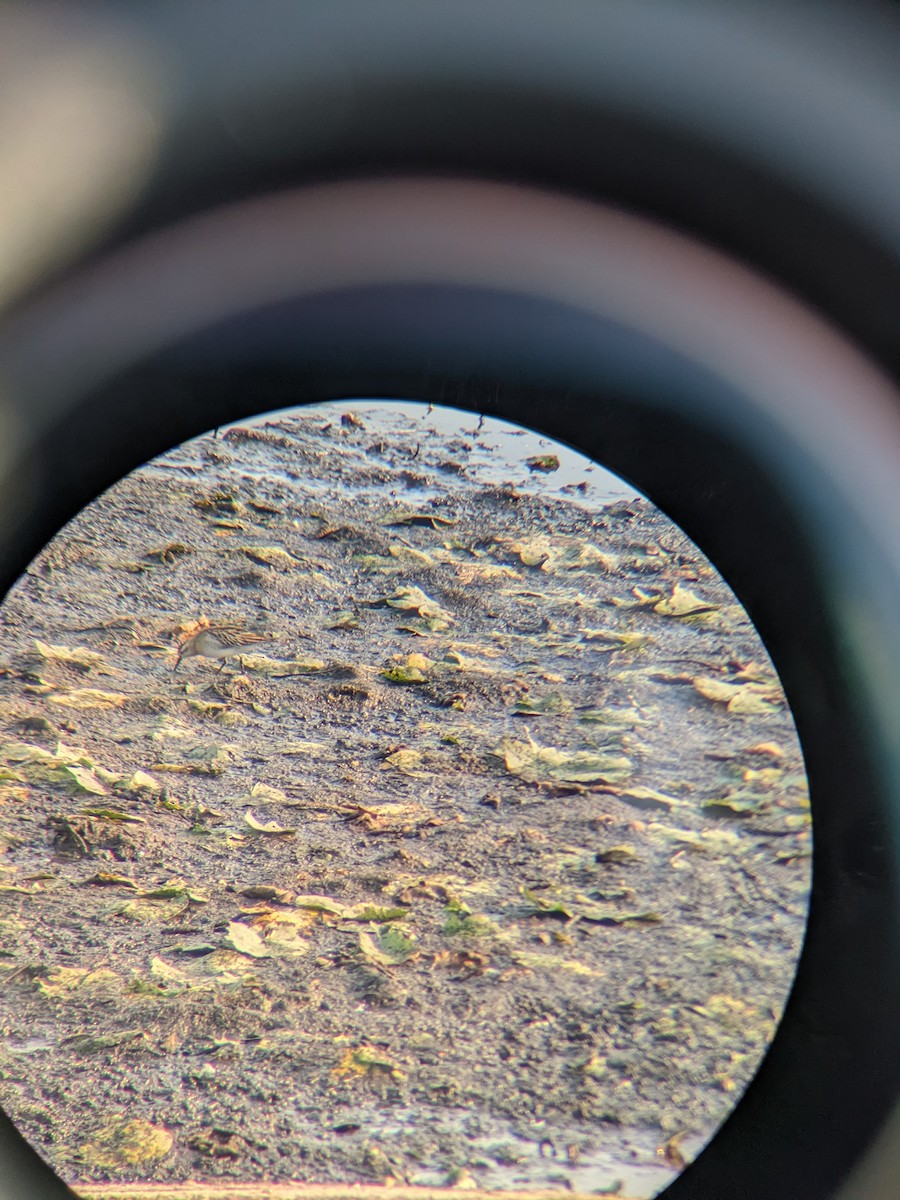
491, 865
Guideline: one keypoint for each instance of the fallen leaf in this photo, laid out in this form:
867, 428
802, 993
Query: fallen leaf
541, 907
321, 904
404, 760
770, 749
552, 555
245, 940
67, 983
413, 599
542, 462
390, 947
169, 553
367, 1060
462, 923
742, 699
739, 802
139, 782
536, 961
681, 603
619, 640
68, 765
533, 762
97, 1043
373, 912
405, 675
84, 660
553, 703
272, 827
86, 698
82, 779
125, 1144
114, 815
265, 794
261, 664
153, 911
283, 933
600, 914
647, 799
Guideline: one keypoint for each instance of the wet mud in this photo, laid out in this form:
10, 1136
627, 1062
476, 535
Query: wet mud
489, 867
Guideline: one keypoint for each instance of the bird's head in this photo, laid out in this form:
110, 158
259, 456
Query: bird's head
185, 650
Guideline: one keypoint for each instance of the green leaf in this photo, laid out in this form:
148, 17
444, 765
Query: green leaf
533, 762
541, 907
462, 923
321, 904
388, 948
113, 814
551, 703
545, 463
405, 675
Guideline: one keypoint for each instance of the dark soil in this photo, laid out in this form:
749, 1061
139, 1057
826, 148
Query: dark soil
520, 907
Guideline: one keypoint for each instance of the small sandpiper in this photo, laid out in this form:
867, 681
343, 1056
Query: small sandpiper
219, 641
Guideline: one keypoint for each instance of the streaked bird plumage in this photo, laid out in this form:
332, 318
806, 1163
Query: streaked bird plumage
219, 642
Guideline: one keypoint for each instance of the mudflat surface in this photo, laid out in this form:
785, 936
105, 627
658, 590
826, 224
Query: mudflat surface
489, 868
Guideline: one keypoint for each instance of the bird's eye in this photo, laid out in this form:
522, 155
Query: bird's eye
475, 813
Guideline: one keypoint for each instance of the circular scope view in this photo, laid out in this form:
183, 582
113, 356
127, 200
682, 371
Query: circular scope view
388, 796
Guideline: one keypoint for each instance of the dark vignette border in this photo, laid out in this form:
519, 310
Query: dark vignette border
617, 398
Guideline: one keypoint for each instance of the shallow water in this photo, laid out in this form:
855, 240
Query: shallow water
495, 453
519, 1155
